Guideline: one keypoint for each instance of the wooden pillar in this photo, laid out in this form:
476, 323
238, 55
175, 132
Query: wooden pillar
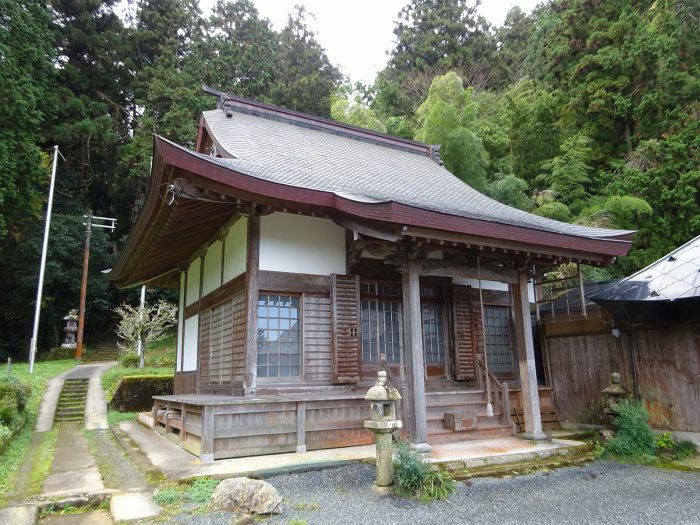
301, 427
413, 346
251, 305
526, 359
207, 434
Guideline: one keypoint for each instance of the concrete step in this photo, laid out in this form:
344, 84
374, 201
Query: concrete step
70, 412
74, 406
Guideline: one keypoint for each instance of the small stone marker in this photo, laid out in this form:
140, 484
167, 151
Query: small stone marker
247, 496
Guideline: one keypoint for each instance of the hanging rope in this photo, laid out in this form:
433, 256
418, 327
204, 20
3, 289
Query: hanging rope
489, 406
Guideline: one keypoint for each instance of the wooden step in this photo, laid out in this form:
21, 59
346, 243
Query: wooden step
448, 436
447, 398
549, 419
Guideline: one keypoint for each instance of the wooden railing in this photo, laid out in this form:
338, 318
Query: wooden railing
499, 391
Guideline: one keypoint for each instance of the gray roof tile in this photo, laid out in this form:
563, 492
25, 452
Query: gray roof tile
283, 152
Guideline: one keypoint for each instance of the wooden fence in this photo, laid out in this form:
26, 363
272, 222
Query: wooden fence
663, 361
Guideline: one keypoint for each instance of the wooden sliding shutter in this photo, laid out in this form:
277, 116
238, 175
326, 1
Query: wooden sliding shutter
204, 338
345, 300
467, 321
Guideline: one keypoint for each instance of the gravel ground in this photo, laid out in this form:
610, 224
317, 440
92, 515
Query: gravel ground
601, 492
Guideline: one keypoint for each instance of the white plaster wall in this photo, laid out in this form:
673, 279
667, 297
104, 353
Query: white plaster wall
212, 268
299, 244
236, 249
180, 322
191, 337
492, 285
193, 282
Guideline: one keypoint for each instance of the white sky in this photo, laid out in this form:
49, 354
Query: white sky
357, 34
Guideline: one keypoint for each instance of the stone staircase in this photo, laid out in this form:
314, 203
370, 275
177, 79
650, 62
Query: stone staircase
71, 403
102, 353
468, 407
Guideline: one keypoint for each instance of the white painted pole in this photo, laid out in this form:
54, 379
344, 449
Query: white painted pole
42, 266
139, 343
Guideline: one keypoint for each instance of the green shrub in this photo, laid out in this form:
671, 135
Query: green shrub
129, 360
5, 436
201, 489
135, 393
633, 440
409, 470
684, 450
167, 496
19, 390
416, 479
665, 441
8, 411
669, 449
161, 360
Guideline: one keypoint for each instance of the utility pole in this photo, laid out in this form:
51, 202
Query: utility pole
97, 222
42, 265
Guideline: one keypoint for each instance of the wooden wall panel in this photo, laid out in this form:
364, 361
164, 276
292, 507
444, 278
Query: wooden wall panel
668, 364
340, 423
668, 373
317, 338
184, 383
580, 369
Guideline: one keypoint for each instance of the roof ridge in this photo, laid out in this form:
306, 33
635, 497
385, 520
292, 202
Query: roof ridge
241, 105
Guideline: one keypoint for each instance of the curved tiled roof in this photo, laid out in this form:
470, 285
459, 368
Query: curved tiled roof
302, 155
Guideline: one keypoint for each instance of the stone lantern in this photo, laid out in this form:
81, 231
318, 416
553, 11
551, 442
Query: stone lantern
613, 394
382, 398
70, 328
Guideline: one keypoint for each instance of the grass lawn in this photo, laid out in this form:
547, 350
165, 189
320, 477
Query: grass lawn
11, 458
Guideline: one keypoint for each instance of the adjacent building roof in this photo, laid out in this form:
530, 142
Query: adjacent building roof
248, 152
667, 289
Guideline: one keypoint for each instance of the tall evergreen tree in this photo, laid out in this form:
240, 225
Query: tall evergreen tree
25, 78
89, 118
304, 79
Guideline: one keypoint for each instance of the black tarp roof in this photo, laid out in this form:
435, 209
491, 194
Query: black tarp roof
666, 290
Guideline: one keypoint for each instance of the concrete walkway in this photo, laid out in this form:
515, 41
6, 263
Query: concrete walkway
95, 406
73, 471
75, 478
175, 463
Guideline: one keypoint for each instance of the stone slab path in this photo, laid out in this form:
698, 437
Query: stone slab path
96, 517
74, 470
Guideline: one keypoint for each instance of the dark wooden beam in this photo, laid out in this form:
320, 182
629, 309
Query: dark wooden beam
513, 246
293, 282
440, 268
